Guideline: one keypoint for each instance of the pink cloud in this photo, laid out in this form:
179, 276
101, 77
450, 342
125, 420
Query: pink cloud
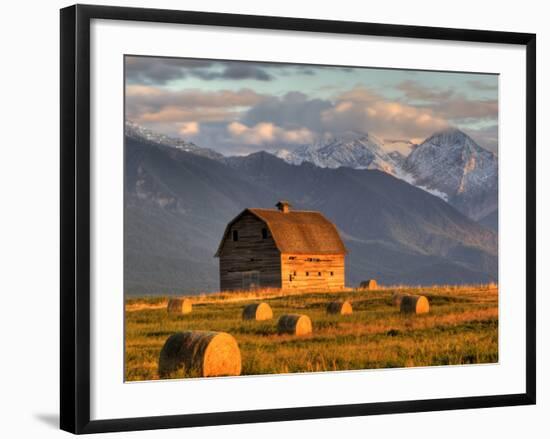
145, 103
189, 128
360, 109
268, 133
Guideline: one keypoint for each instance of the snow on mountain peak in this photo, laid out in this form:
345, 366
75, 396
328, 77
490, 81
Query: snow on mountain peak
453, 138
352, 149
448, 164
451, 162
136, 131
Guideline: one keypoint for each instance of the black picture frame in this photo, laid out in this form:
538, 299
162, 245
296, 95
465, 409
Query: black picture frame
75, 217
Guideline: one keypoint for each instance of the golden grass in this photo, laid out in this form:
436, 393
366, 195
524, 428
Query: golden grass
157, 302
461, 328
139, 304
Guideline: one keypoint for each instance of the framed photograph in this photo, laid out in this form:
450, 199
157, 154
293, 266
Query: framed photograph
268, 219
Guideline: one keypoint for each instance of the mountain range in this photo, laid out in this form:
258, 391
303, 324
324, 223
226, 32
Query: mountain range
134, 131
449, 164
178, 201
353, 150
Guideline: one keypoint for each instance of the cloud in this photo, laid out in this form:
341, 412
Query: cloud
461, 109
268, 133
146, 103
245, 71
159, 71
189, 128
152, 70
243, 120
309, 72
363, 110
292, 110
413, 90
448, 104
178, 114
157, 97
236, 71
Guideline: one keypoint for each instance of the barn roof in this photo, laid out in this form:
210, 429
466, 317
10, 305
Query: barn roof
296, 231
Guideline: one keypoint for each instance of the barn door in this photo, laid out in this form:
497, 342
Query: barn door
251, 280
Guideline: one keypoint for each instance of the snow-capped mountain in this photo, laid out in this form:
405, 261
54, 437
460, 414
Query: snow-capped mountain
452, 163
136, 131
397, 157
448, 164
353, 150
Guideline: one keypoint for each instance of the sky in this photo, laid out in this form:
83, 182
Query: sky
238, 107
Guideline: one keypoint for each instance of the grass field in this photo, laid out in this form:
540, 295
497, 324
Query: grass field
461, 328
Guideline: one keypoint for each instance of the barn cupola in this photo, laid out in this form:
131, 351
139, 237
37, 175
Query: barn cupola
283, 206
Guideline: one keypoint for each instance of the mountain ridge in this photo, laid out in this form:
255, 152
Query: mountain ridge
448, 164
138, 132
355, 150
453, 163
458, 170
177, 205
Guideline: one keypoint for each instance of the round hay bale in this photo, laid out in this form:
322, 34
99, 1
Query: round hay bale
257, 311
179, 305
369, 284
396, 298
295, 324
415, 304
202, 353
339, 307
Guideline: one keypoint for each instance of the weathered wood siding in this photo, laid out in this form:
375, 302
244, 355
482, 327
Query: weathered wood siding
250, 257
312, 272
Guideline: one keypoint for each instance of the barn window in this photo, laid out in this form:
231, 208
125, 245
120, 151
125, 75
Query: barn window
264, 233
235, 235
307, 273
291, 258
294, 273
332, 273
319, 273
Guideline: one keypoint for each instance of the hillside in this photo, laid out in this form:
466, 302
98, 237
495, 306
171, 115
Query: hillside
177, 204
176, 208
491, 220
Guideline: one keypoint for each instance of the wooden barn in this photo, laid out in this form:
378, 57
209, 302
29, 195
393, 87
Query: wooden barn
281, 248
